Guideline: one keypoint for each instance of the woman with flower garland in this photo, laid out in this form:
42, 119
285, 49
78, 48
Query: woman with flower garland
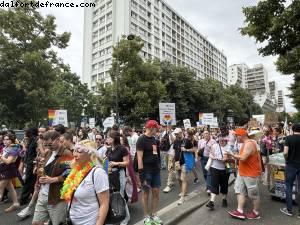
86, 189
8, 169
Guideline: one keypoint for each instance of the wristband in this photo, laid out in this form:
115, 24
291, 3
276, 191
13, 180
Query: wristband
140, 170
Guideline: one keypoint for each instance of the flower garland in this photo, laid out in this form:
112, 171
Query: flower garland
73, 180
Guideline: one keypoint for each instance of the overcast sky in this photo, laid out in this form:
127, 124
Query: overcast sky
218, 20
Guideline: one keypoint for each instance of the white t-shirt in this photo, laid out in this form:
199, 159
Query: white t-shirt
132, 143
206, 145
85, 208
216, 151
45, 187
101, 152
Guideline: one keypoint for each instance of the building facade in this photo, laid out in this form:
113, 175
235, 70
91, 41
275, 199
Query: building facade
257, 80
166, 36
237, 75
280, 102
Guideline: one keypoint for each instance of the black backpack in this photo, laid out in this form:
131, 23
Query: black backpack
165, 143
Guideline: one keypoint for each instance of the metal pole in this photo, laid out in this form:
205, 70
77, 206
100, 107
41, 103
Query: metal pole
117, 89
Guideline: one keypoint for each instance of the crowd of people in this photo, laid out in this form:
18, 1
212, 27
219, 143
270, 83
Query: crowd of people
70, 177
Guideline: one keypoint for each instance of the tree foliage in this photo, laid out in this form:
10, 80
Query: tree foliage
276, 25
136, 88
32, 77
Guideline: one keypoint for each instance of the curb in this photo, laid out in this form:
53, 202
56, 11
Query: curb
185, 213
181, 216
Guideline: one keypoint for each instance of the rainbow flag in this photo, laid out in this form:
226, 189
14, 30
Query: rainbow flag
200, 118
105, 163
51, 116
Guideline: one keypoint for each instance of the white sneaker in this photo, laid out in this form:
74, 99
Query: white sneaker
181, 201
25, 212
180, 194
167, 189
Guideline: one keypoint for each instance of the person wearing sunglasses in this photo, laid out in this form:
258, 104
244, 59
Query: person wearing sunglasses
86, 188
8, 169
56, 168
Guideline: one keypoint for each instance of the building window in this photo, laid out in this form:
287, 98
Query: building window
95, 13
133, 15
108, 38
101, 41
109, 50
134, 27
109, 4
109, 27
134, 4
143, 10
109, 15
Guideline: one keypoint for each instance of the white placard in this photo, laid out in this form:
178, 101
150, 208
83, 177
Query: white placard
214, 123
108, 122
207, 118
167, 114
92, 122
187, 123
260, 118
61, 117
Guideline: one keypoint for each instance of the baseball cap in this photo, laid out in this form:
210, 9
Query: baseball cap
240, 132
177, 131
152, 124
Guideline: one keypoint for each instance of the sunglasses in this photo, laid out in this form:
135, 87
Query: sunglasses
98, 139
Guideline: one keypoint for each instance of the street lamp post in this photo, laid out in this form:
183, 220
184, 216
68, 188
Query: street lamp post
129, 38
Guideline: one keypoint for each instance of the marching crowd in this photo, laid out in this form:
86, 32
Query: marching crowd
88, 177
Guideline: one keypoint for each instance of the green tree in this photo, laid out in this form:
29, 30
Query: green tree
181, 89
70, 94
136, 88
276, 25
245, 106
28, 63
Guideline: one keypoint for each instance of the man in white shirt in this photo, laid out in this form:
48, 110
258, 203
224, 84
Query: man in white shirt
92, 135
170, 158
132, 138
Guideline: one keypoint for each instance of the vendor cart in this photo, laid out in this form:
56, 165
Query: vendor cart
276, 168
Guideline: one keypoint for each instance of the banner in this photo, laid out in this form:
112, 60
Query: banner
208, 118
167, 114
187, 123
92, 122
56, 117
260, 118
214, 123
108, 122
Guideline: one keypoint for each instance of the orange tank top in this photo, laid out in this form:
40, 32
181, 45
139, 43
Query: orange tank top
252, 166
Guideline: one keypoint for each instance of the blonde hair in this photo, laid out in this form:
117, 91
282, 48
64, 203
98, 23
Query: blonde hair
92, 148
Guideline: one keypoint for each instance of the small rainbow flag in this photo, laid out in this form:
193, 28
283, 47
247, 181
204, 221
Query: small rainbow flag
105, 163
51, 116
200, 118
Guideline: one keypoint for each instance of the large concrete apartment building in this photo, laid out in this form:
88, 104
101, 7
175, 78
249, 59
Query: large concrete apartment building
166, 36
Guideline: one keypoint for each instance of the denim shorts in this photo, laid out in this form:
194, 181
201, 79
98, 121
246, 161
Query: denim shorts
150, 180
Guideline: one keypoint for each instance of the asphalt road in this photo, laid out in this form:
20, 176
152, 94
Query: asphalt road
269, 212
135, 209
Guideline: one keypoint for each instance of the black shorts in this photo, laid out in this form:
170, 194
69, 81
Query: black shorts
8, 171
219, 181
